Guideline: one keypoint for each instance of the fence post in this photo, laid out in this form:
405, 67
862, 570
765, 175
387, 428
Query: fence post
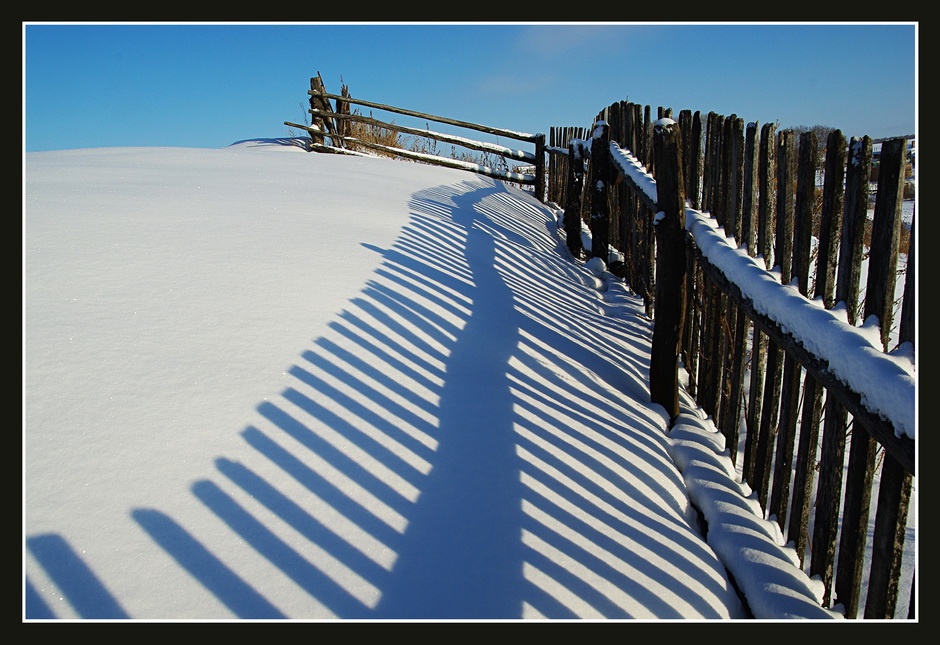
575, 180
669, 301
540, 167
316, 85
600, 179
320, 102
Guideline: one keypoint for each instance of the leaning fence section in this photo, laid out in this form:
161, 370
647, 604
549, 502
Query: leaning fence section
836, 477
337, 128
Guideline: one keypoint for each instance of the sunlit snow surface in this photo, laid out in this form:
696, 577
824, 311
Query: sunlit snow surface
265, 384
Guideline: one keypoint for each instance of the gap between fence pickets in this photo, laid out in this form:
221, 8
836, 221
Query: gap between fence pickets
832, 340
893, 400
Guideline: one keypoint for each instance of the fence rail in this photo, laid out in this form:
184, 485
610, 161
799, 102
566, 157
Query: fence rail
330, 123
802, 429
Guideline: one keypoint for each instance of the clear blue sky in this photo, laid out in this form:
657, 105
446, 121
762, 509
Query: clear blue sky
209, 85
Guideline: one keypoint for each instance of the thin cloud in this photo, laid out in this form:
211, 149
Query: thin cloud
546, 41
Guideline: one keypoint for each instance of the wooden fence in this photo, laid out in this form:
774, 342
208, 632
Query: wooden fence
801, 429
800, 437
329, 123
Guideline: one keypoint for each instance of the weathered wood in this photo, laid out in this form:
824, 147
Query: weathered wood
734, 180
343, 110
749, 215
711, 329
510, 134
767, 208
835, 427
831, 217
691, 157
717, 321
614, 134
894, 496
766, 171
692, 327
572, 217
879, 298
736, 341
790, 390
598, 183
670, 268
857, 175
316, 85
540, 167
319, 100
783, 259
886, 231
830, 226
770, 216
482, 146
858, 479
786, 207
448, 163
882, 430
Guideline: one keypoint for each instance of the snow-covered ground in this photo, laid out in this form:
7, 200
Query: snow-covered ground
261, 383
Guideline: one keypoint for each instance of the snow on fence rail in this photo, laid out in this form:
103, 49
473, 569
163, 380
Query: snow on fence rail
751, 245
333, 124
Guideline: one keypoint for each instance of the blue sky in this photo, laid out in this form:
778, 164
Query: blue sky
209, 85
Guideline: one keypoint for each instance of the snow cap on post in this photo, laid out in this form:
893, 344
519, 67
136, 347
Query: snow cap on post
665, 123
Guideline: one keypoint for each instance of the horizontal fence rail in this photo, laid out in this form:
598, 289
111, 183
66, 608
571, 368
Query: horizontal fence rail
332, 123
803, 439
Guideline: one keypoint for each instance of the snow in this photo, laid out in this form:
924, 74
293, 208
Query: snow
853, 353
261, 383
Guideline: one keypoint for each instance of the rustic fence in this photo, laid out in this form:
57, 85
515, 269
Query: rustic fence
801, 438
794, 419
329, 123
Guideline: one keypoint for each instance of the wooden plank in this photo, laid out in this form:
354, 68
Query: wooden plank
449, 163
748, 188
790, 388
835, 427
857, 175
482, 146
509, 134
783, 260
831, 217
735, 344
830, 225
879, 300
766, 171
894, 494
